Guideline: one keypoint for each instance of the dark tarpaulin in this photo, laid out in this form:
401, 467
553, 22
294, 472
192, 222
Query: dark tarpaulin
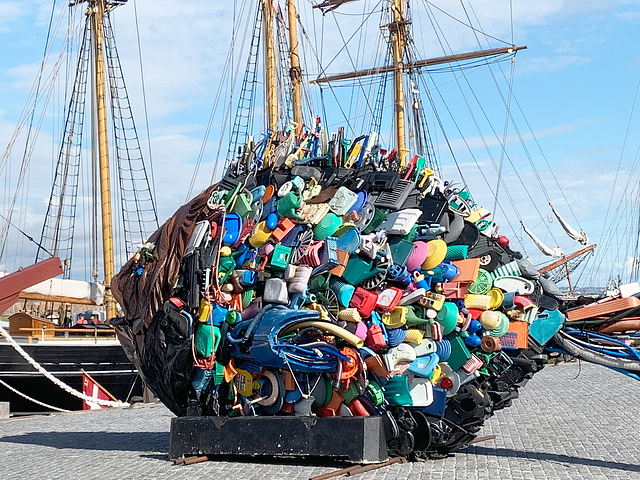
141, 296
157, 344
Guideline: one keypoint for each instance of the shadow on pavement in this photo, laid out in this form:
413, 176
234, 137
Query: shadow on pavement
119, 441
551, 457
147, 443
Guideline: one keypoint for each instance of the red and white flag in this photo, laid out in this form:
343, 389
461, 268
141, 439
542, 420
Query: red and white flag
93, 389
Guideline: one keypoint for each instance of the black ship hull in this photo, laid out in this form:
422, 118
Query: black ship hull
107, 364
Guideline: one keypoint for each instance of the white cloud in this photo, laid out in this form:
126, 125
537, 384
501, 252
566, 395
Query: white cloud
546, 65
10, 12
490, 140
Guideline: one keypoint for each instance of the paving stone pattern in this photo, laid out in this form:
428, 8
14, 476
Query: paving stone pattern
572, 421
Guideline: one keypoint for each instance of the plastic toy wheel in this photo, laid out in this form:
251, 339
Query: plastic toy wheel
490, 261
483, 284
305, 238
330, 299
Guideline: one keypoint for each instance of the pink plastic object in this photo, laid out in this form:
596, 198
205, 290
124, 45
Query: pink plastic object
455, 289
472, 364
417, 256
300, 280
364, 300
523, 302
361, 330
267, 249
311, 256
436, 332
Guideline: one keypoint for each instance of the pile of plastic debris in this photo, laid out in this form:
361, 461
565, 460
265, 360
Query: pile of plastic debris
337, 282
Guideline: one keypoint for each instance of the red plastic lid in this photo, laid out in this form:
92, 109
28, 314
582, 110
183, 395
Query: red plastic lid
446, 383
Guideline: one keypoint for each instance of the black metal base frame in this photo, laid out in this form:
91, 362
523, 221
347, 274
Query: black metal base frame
356, 439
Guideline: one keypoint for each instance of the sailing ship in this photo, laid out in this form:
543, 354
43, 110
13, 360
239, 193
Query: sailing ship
98, 91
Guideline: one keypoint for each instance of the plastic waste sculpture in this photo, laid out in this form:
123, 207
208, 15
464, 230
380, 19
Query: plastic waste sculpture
306, 288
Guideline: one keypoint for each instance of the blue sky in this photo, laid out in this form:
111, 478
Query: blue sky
576, 84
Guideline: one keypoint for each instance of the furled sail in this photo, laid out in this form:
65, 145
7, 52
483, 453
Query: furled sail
578, 236
551, 252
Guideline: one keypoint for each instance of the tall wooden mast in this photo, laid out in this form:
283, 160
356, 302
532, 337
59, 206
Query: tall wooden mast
270, 67
397, 29
296, 72
398, 37
97, 12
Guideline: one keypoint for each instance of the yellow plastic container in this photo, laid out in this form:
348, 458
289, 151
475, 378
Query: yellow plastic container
479, 302
496, 298
260, 235
395, 318
204, 311
414, 335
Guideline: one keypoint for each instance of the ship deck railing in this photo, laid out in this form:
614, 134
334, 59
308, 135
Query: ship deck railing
46, 334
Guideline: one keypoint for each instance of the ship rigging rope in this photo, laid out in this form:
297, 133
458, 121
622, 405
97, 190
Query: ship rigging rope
521, 111
363, 103
29, 108
245, 108
345, 43
31, 399
607, 222
475, 160
227, 113
464, 97
504, 133
611, 224
59, 224
56, 381
307, 103
345, 47
139, 217
468, 25
509, 116
144, 99
319, 61
29, 237
606, 245
515, 231
28, 114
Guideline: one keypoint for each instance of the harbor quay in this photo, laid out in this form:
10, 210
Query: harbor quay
573, 420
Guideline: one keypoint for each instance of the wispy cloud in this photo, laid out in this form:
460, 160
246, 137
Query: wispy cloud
546, 65
10, 12
490, 140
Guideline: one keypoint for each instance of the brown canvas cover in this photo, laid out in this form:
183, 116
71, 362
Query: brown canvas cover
141, 296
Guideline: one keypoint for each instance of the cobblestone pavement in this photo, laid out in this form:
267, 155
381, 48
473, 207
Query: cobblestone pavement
571, 421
